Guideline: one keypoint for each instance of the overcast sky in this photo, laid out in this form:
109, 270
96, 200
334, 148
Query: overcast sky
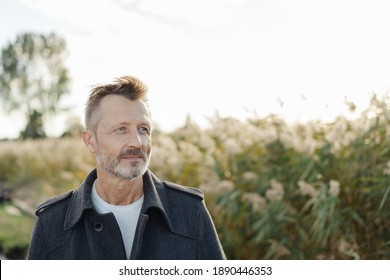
296, 58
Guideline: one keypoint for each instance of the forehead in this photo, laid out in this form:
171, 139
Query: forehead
116, 108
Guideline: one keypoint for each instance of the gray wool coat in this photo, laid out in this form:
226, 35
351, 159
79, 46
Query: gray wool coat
174, 224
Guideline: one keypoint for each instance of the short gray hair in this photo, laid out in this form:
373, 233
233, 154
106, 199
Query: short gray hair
126, 86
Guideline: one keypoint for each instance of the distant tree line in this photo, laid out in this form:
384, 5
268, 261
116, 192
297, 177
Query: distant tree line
33, 79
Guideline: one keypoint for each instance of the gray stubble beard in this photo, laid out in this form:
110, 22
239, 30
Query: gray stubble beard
111, 165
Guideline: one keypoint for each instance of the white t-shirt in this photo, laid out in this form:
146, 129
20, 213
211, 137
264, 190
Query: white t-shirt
125, 215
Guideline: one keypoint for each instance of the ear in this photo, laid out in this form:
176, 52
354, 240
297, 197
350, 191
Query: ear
89, 140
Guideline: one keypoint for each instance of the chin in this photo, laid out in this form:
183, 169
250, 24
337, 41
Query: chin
130, 174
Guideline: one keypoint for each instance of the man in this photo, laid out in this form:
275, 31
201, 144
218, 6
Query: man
122, 210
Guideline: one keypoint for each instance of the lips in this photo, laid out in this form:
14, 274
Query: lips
132, 157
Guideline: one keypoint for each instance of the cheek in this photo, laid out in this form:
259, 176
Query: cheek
147, 146
146, 139
111, 142
109, 148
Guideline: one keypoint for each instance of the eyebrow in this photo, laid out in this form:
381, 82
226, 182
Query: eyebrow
143, 122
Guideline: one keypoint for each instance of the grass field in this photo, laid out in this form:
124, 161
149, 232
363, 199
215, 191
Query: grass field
15, 230
275, 190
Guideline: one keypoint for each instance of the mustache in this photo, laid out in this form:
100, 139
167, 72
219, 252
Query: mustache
133, 152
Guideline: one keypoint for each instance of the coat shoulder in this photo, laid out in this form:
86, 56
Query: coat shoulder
52, 201
194, 192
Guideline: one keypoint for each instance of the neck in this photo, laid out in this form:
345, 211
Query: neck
118, 191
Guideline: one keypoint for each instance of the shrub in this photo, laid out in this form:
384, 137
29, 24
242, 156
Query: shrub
275, 190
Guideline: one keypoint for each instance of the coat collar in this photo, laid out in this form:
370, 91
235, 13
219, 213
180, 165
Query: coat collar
81, 201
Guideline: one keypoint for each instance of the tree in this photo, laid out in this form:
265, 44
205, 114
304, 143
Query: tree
33, 78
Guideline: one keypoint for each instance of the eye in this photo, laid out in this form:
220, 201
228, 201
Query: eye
144, 130
121, 129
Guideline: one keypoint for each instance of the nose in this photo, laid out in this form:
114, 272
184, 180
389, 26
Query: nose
134, 140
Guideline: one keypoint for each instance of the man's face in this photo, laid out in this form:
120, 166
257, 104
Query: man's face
122, 140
